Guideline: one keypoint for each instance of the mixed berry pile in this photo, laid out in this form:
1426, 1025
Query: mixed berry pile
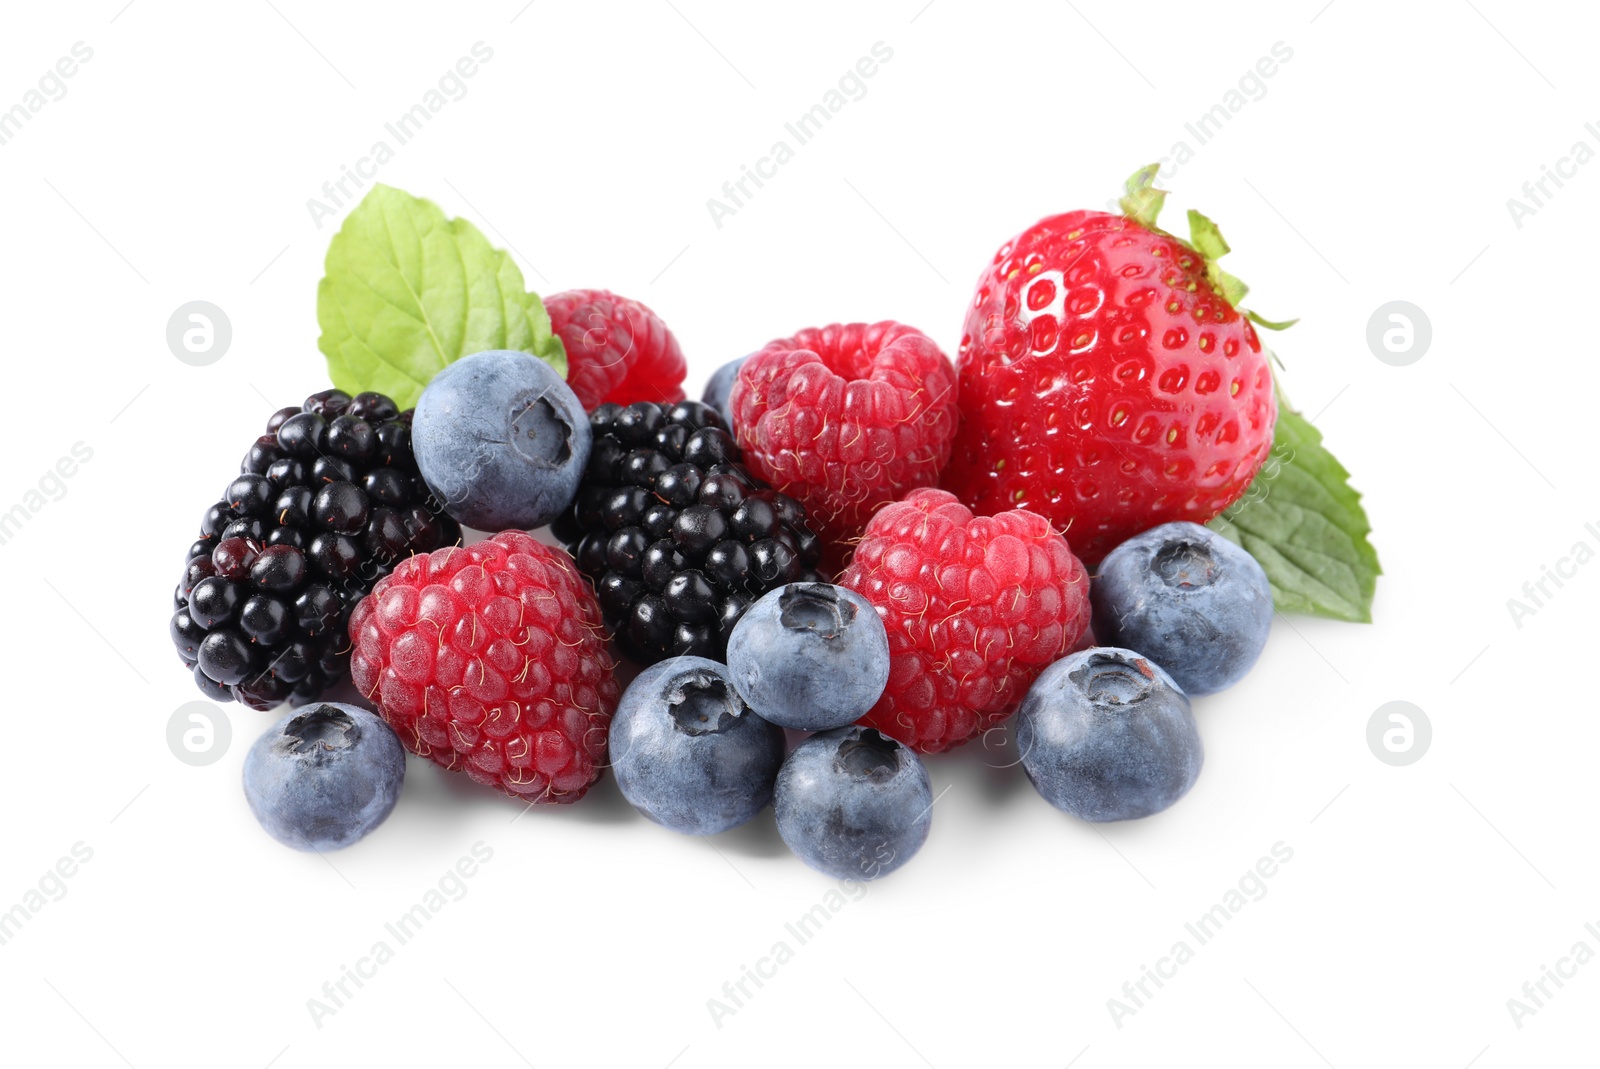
1107, 399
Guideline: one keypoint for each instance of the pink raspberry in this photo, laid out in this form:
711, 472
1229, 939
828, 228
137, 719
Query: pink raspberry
847, 419
490, 658
617, 349
975, 608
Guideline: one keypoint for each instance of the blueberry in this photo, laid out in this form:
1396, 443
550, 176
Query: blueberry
719, 388
810, 656
853, 803
1190, 600
1105, 734
501, 440
688, 753
324, 776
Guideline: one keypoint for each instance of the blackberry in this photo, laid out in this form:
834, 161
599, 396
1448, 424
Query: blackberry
326, 503
678, 538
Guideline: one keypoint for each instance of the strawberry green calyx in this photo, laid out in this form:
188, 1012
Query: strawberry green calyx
1143, 204
1143, 201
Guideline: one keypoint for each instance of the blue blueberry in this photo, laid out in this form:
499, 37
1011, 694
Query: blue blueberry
854, 803
719, 388
324, 776
1106, 735
688, 753
1190, 600
501, 441
810, 656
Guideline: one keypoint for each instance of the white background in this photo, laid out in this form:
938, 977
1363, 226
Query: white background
1376, 167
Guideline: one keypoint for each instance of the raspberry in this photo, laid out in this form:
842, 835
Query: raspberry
328, 500
678, 537
847, 419
489, 658
617, 350
975, 608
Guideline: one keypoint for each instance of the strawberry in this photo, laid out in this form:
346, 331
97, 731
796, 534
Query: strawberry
1109, 380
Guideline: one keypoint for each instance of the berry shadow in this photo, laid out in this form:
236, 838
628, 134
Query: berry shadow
756, 838
987, 768
603, 804
438, 803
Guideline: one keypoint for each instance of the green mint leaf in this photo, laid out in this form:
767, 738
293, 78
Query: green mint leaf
1306, 526
406, 291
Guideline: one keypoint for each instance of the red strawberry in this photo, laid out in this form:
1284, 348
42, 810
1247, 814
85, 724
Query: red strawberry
617, 350
846, 418
1108, 379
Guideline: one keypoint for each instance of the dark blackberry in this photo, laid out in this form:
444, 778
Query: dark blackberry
677, 536
326, 503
